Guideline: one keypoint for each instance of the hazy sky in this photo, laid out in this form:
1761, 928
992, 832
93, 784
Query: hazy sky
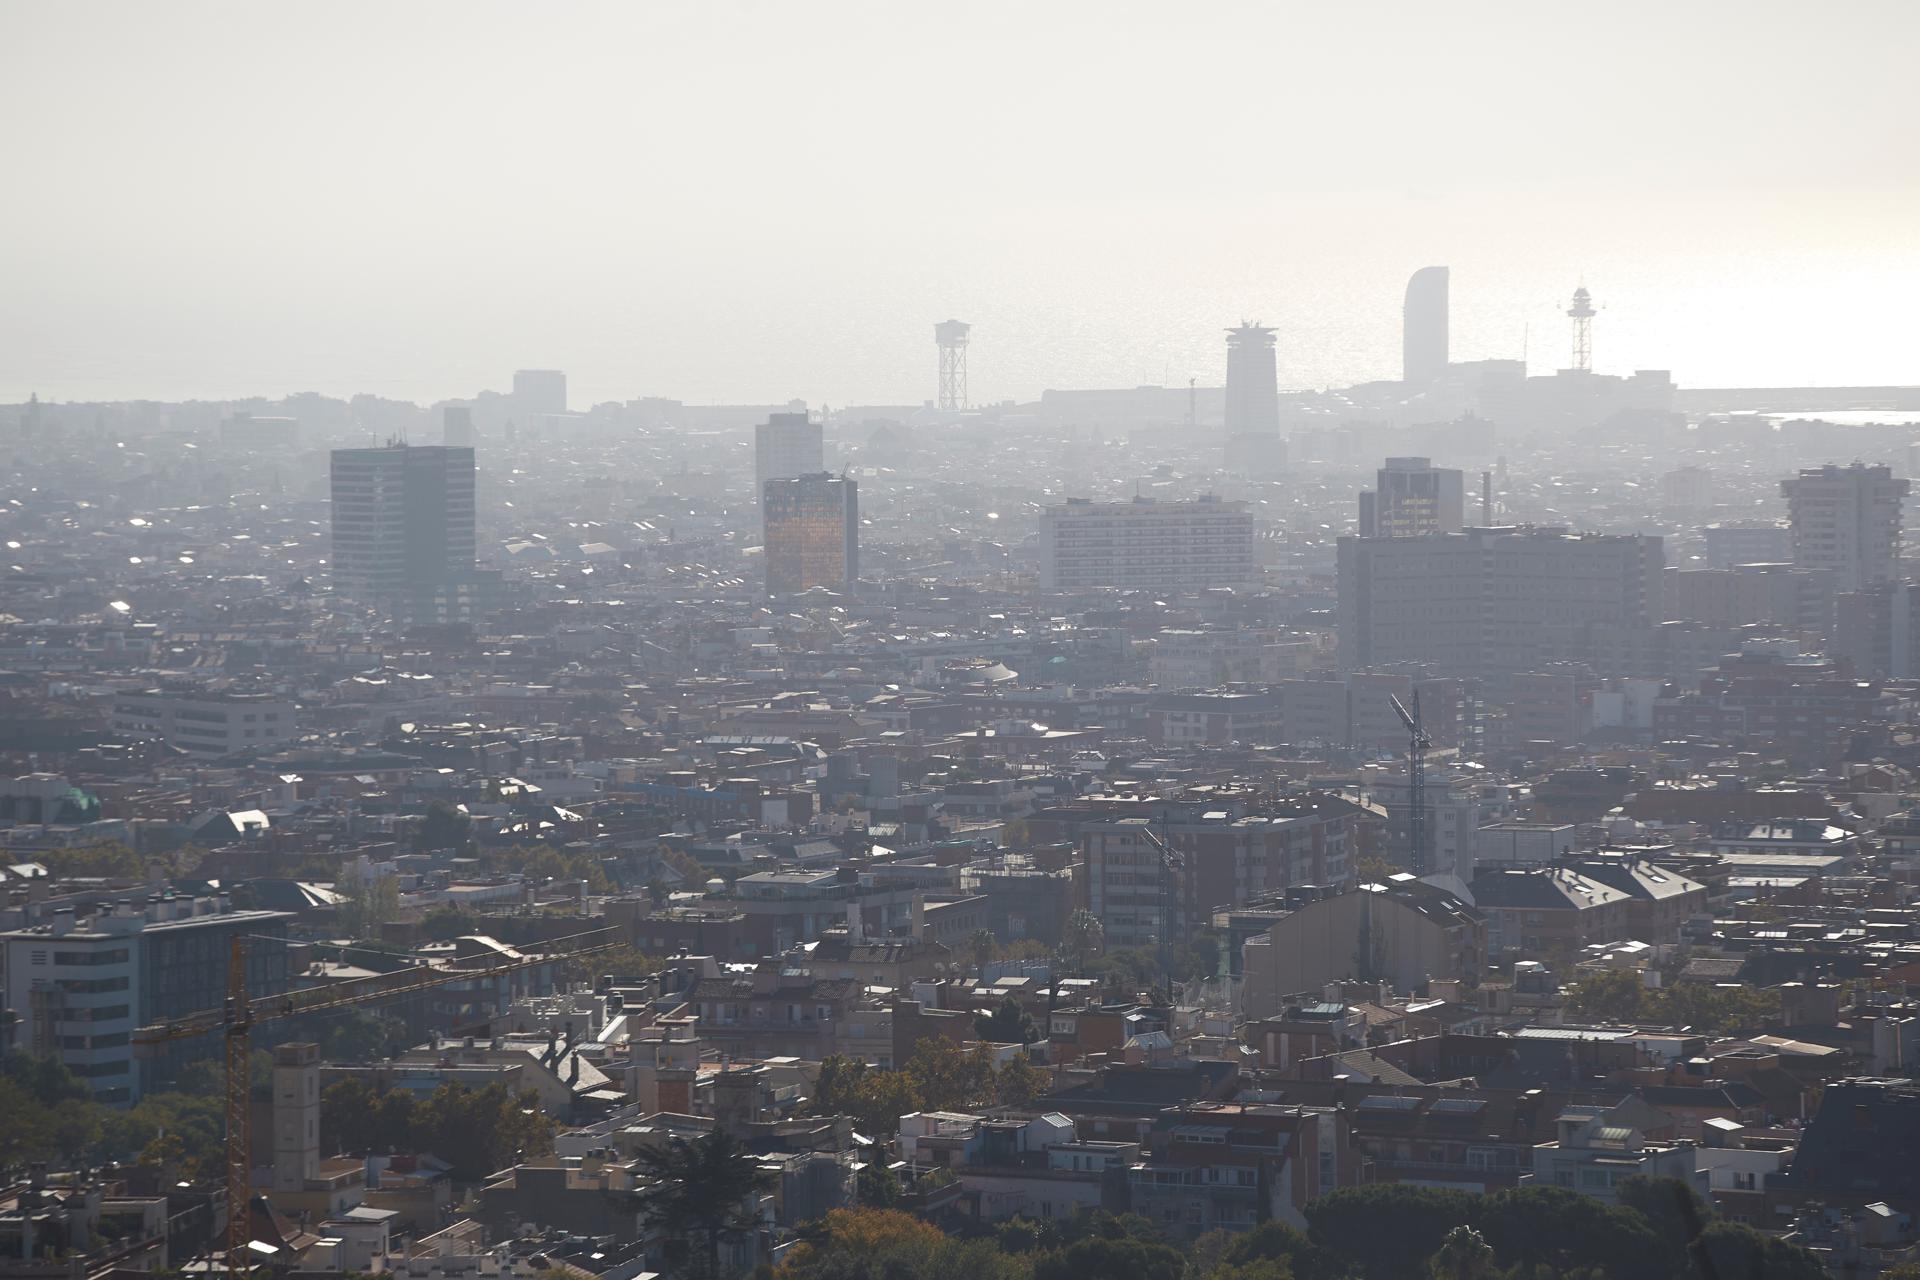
724, 201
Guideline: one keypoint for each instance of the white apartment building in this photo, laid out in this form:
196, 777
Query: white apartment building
1847, 519
208, 725
82, 987
1146, 545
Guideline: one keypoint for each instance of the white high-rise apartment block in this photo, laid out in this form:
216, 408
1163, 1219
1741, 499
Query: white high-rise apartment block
785, 447
1847, 519
1144, 545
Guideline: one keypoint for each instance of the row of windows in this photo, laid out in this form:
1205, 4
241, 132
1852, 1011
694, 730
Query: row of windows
101, 1013
91, 986
115, 955
112, 1040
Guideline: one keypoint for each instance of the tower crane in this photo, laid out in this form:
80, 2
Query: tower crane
1417, 744
235, 1020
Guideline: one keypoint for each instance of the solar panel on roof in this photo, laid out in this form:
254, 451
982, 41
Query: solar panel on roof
1388, 1102
1457, 1106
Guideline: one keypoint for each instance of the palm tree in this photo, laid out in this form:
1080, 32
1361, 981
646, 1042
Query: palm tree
703, 1193
1083, 936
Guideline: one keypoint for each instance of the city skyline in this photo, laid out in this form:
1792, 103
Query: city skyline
1733, 237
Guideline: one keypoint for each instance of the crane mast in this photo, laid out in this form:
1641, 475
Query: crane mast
235, 1020
1417, 744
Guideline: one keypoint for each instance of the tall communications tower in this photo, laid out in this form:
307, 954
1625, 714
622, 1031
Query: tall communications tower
1581, 312
951, 337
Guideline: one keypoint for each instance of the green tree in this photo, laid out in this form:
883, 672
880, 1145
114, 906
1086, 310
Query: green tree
348, 1117
1083, 938
880, 1098
1564, 1229
1019, 1082
360, 1036
1258, 1269
833, 1088
49, 1080
950, 1078
886, 1244
1618, 995
444, 827
110, 860
1023, 1235
165, 1152
1732, 1249
447, 922
77, 1128
1676, 1212
1008, 1024
983, 946
394, 1130
1350, 1223
369, 903
1123, 1259
878, 1187
26, 1129
1463, 1255
702, 1197
1277, 1240
479, 1131
1714, 1010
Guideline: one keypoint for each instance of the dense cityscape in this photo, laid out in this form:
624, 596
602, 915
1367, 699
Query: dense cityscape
1456, 824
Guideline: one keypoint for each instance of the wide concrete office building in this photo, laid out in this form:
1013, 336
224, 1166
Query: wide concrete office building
1487, 603
81, 987
1145, 545
205, 724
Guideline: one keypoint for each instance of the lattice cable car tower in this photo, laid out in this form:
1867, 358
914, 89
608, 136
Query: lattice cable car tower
1582, 313
951, 337
1417, 744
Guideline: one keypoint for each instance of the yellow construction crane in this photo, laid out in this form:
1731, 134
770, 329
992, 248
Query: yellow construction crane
234, 1023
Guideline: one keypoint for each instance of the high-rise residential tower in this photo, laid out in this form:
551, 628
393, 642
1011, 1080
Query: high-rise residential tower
1847, 519
786, 445
1253, 389
539, 391
1146, 545
1423, 326
1412, 497
403, 521
812, 527
456, 426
